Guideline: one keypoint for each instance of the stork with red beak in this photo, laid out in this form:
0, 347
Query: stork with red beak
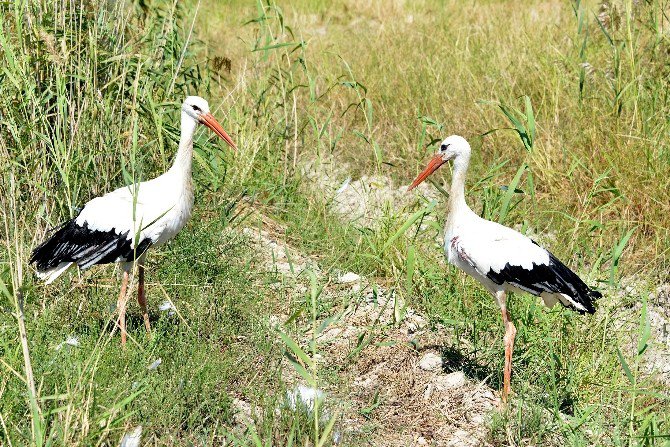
122, 225
501, 259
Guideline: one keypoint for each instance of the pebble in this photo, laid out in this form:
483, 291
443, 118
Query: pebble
453, 380
348, 278
462, 438
431, 362
488, 394
133, 438
155, 364
429, 390
242, 416
476, 418
306, 396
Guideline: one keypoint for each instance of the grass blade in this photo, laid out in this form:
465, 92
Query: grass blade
626, 368
408, 223
511, 189
296, 349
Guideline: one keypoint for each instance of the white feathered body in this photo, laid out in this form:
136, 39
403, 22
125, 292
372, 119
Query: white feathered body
502, 259
498, 257
120, 226
154, 210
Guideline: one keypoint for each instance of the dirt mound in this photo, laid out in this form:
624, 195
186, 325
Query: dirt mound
411, 406
398, 392
387, 393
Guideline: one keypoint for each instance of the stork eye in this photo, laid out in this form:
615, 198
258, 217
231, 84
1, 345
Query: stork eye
196, 108
444, 147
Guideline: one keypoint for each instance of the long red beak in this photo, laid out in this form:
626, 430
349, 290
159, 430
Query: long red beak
434, 163
208, 120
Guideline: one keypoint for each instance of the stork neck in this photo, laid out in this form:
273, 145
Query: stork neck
457, 203
184, 158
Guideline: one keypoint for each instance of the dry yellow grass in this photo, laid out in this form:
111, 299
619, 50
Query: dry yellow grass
597, 158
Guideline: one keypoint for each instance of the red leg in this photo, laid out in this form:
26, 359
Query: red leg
141, 299
510, 333
121, 306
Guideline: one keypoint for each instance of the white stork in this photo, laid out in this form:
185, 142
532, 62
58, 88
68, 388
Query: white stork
123, 224
501, 259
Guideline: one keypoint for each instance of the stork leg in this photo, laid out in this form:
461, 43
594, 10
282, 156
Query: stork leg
141, 299
121, 306
510, 333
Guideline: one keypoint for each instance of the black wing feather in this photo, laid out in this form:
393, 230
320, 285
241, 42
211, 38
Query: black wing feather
554, 277
85, 246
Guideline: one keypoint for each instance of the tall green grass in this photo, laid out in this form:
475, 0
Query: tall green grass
89, 94
593, 76
85, 88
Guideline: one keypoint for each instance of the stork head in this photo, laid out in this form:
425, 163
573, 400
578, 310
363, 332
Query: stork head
197, 109
452, 148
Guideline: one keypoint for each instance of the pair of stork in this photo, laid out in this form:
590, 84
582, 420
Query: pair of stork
122, 225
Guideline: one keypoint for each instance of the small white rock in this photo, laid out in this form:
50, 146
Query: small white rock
365, 382
242, 416
431, 362
342, 187
414, 322
428, 391
348, 278
133, 438
166, 305
70, 341
462, 438
155, 364
453, 380
307, 396
488, 394
476, 418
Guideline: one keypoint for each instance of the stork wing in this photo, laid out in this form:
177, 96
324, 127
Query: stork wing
506, 256
118, 226
489, 246
132, 210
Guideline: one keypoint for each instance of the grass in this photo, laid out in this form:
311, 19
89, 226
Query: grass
565, 105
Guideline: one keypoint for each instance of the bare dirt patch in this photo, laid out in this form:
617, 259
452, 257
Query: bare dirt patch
395, 400
385, 394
